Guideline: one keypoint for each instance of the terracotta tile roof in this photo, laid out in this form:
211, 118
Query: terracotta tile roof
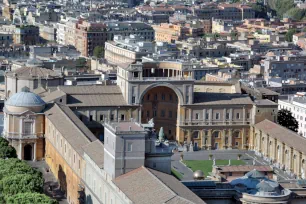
95, 151
33, 72
221, 99
95, 89
144, 185
283, 134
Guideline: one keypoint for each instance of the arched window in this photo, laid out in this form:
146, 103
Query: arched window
216, 134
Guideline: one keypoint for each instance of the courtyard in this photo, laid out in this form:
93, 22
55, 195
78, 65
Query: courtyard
206, 165
203, 160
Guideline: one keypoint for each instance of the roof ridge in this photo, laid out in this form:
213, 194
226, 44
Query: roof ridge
147, 169
71, 121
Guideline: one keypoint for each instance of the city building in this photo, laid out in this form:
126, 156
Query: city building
297, 106
85, 36
26, 34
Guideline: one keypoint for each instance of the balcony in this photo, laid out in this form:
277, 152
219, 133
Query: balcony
212, 123
22, 136
160, 78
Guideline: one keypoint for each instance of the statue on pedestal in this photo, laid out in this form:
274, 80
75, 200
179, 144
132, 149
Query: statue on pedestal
191, 147
161, 135
185, 147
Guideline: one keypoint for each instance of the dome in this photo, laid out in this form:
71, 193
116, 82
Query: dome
24, 99
198, 175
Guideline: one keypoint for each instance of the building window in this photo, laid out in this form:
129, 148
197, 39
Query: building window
129, 146
112, 117
101, 117
217, 116
133, 99
28, 128
162, 113
236, 143
148, 114
169, 132
163, 97
197, 116
155, 97
230, 174
90, 118
170, 97
207, 116
237, 115
148, 97
170, 114
227, 116
122, 117
154, 113
248, 115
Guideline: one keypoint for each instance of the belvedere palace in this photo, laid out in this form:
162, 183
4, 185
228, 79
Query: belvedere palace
86, 134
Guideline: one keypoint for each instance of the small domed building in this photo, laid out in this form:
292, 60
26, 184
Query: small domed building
24, 124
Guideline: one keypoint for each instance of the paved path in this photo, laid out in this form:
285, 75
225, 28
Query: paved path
182, 169
50, 180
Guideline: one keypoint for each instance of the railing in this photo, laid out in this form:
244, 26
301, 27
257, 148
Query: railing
22, 136
203, 123
160, 78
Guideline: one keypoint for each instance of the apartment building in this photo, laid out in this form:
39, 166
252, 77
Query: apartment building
127, 49
223, 11
26, 34
297, 106
85, 36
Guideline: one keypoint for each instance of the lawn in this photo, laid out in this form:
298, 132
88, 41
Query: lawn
206, 165
176, 174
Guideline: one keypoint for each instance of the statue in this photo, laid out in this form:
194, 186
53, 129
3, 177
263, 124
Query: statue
214, 162
185, 146
151, 122
303, 173
191, 147
229, 162
161, 134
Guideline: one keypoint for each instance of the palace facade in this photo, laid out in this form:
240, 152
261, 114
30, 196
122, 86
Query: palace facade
76, 129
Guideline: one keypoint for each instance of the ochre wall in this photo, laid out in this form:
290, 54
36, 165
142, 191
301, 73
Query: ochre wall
68, 179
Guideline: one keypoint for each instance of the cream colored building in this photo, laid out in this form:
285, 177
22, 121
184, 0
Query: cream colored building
24, 124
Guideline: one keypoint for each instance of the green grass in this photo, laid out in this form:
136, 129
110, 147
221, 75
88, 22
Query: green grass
206, 165
177, 174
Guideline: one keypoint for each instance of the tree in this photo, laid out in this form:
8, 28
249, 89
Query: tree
282, 6
15, 166
98, 51
295, 14
285, 119
289, 35
30, 198
81, 62
21, 183
6, 150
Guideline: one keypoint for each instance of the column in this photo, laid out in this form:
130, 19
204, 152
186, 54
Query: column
231, 115
243, 115
300, 165
20, 150
223, 139
203, 138
188, 136
34, 155
268, 147
209, 139
243, 138
291, 159
230, 138
204, 115
224, 116
259, 142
